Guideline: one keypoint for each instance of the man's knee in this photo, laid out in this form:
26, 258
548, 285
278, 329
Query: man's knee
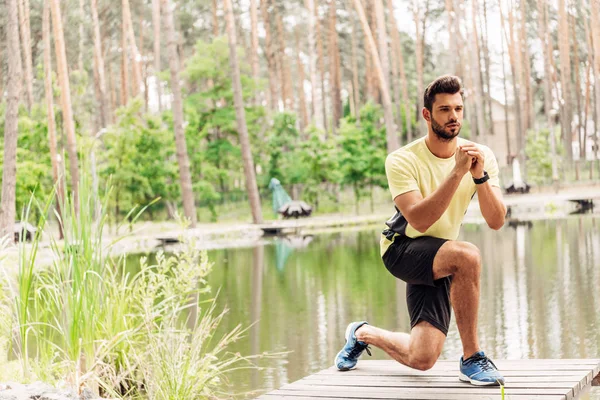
469, 256
423, 360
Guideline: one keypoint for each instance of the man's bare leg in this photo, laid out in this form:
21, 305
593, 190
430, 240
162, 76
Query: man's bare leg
419, 350
462, 260
422, 347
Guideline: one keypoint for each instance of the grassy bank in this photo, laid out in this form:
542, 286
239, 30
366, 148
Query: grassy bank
87, 323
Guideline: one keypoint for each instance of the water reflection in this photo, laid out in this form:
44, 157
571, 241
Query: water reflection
539, 296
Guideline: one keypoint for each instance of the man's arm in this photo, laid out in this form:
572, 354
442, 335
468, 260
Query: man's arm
490, 197
491, 205
421, 212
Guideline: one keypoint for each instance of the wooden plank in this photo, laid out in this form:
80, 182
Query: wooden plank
400, 396
551, 379
368, 371
409, 396
548, 361
384, 391
429, 383
567, 379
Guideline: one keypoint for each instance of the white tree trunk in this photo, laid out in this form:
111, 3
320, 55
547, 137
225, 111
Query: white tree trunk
542, 30
565, 77
156, 26
254, 40
99, 66
382, 38
54, 158
136, 58
11, 127
251, 186
392, 138
65, 99
316, 106
189, 207
23, 6
398, 45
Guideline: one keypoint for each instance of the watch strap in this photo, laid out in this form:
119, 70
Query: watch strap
485, 178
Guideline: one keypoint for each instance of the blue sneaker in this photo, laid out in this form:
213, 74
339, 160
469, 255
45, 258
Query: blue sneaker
480, 371
347, 358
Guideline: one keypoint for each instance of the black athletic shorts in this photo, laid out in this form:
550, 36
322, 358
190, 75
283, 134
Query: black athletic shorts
412, 261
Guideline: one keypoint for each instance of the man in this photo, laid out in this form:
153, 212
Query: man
432, 181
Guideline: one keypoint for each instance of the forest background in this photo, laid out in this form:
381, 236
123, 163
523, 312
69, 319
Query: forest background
201, 102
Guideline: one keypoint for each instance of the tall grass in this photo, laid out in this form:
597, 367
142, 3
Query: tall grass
87, 322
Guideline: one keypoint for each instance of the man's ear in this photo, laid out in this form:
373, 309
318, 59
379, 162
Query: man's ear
426, 114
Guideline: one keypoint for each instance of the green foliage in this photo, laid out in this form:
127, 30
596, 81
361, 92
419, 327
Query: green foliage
34, 170
133, 158
211, 133
86, 321
363, 151
539, 161
283, 144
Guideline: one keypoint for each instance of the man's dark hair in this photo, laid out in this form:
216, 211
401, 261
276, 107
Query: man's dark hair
444, 84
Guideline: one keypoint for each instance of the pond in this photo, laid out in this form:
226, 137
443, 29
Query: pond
539, 298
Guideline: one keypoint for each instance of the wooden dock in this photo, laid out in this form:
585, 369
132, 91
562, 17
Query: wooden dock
554, 379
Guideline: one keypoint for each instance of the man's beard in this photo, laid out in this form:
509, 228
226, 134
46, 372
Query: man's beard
441, 133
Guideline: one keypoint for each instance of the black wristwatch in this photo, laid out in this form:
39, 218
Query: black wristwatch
485, 178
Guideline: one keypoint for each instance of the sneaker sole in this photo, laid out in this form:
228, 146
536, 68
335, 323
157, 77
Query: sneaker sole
335, 359
465, 378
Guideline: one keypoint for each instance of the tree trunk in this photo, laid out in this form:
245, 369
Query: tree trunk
395, 86
124, 66
548, 109
142, 63
565, 77
581, 138
215, 18
453, 46
368, 69
23, 6
590, 62
398, 46
270, 56
372, 18
312, 54
112, 90
81, 36
526, 71
251, 186
385, 62
156, 26
520, 150
392, 138
420, 25
11, 126
355, 85
595, 25
54, 158
99, 67
321, 65
486, 58
301, 97
476, 75
334, 71
65, 97
189, 207
509, 156
135, 54
254, 44
1, 75
287, 86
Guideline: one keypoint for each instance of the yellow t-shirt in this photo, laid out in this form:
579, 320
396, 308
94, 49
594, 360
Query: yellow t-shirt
415, 167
